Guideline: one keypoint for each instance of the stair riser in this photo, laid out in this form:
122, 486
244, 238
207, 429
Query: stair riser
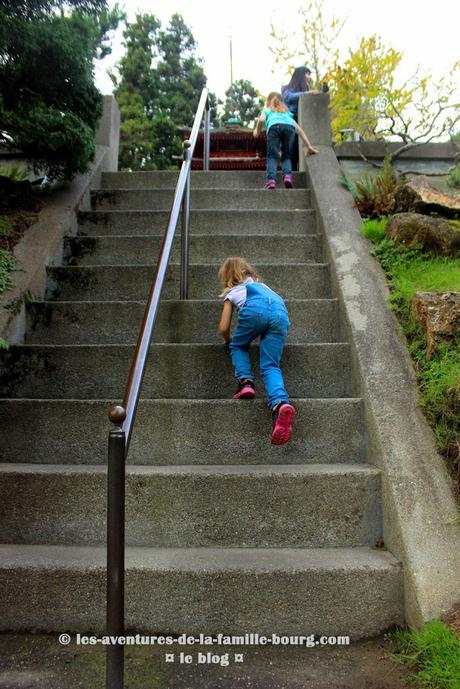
132, 283
317, 601
177, 432
212, 222
109, 250
215, 199
182, 371
163, 179
194, 509
178, 321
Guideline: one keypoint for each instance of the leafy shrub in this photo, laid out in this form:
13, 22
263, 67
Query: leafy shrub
375, 196
453, 178
7, 265
16, 172
49, 105
6, 226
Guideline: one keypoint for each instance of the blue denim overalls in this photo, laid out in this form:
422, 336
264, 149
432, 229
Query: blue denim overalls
263, 313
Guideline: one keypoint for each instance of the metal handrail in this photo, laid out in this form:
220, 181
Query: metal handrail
123, 416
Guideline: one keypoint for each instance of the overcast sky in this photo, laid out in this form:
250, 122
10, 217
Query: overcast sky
427, 33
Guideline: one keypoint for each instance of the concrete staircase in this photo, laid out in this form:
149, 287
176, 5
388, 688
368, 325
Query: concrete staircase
225, 532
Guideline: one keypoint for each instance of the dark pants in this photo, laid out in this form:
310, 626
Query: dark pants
280, 137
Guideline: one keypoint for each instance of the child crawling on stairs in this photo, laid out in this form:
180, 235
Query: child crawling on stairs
261, 313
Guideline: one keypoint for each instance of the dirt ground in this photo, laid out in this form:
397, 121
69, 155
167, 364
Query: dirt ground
30, 661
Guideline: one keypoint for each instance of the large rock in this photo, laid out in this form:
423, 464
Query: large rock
417, 195
435, 234
439, 314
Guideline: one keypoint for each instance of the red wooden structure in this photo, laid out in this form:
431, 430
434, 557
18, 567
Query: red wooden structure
232, 148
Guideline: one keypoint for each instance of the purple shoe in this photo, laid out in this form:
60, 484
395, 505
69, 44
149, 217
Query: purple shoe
288, 181
271, 184
245, 390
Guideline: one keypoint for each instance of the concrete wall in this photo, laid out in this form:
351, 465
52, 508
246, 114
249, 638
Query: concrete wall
42, 244
428, 159
419, 509
108, 133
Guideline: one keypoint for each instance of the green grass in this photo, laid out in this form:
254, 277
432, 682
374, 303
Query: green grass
408, 271
7, 265
374, 229
433, 653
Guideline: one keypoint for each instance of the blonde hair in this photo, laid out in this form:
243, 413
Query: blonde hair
234, 271
276, 102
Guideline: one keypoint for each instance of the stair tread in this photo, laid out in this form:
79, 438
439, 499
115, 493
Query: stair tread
203, 264
205, 220
200, 235
197, 469
182, 345
51, 302
200, 559
212, 197
173, 400
226, 211
291, 192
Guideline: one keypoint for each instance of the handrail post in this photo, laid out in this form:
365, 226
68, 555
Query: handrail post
207, 136
116, 546
185, 236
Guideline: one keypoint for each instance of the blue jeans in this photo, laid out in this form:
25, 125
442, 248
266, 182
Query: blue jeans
264, 314
280, 136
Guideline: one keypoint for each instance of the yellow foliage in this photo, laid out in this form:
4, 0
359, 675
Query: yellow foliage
364, 88
366, 93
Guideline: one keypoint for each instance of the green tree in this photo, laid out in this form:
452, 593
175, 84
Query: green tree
243, 102
137, 93
314, 45
158, 86
49, 105
366, 92
368, 96
178, 76
362, 85
28, 9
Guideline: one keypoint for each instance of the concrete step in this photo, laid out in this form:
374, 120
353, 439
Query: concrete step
161, 199
313, 320
211, 222
181, 431
174, 371
270, 506
132, 283
129, 250
165, 179
327, 591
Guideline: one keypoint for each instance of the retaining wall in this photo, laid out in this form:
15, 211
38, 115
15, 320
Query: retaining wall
42, 244
419, 509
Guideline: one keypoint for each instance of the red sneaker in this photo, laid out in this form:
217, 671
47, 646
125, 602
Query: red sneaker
245, 390
283, 418
271, 184
288, 181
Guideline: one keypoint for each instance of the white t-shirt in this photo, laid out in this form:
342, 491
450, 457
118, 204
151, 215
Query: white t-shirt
238, 294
